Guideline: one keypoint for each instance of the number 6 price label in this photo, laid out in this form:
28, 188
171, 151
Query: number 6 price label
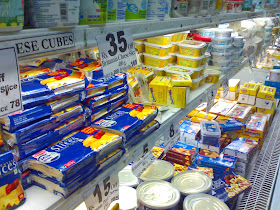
10, 89
117, 52
103, 193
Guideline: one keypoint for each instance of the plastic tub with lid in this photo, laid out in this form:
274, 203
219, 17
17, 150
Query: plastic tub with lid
127, 178
176, 37
158, 50
200, 201
47, 14
158, 170
213, 75
188, 61
171, 70
222, 41
203, 80
157, 194
190, 182
210, 132
173, 58
192, 48
174, 48
205, 59
222, 49
139, 45
223, 33
197, 72
161, 40
221, 56
221, 63
195, 83
184, 35
207, 32
156, 61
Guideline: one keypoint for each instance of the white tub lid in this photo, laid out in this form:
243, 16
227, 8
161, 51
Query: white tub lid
189, 57
189, 182
127, 178
200, 201
156, 57
222, 30
127, 198
222, 46
192, 44
212, 72
158, 170
157, 45
158, 194
222, 38
221, 54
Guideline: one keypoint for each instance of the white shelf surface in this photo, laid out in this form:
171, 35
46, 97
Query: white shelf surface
85, 35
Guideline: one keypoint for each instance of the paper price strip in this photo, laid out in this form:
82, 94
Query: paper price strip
210, 97
139, 166
10, 89
172, 136
103, 193
117, 52
225, 87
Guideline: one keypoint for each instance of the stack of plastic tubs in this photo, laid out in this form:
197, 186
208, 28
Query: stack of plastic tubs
238, 46
268, 34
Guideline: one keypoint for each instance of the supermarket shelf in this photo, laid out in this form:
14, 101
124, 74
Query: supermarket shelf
84, 36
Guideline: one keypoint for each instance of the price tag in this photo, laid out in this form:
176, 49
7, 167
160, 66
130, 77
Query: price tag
117, 52
172, 136
210, 97
103, 193
225, 87
139, 166
11, 100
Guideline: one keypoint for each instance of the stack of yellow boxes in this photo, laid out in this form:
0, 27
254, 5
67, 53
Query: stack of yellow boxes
233, 86
265, 97
248, 93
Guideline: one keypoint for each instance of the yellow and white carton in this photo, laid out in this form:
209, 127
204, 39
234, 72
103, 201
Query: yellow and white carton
177, 96
158, 88
233, 86
265, 97
268, 111
248, 93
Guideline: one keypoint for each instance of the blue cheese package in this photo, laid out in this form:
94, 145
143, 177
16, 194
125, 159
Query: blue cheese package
107, 109
42, 126
23, 118
26, 179
142, 133
70, 155
11, 191
29, 148
230, 124
65, 189
52, 86
127, 120
101, 100
103, 86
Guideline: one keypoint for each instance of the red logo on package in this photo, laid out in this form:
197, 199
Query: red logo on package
70, 163
89, 130
38, 154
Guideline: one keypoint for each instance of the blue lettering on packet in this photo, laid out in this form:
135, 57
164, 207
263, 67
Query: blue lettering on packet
69, 156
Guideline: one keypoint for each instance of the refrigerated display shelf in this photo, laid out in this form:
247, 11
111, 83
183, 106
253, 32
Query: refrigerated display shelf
29, 41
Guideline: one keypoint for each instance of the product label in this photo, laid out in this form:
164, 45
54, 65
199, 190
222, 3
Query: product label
11, 13
117, 52
172, 136
10, 86
93, 12
136, 9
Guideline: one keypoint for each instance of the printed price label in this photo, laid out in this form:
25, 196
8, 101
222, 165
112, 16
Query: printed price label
172, 136
147, 158
117, 52
103, 193
10, 89
210, 97
225, 87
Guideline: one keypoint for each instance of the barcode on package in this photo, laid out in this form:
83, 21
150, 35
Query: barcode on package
63, 12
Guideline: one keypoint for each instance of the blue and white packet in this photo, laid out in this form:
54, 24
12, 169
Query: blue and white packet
70, 155
230, 124
23, 118
12, 193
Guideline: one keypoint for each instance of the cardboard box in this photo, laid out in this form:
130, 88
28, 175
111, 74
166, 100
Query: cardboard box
240, 112
268, 111
158, 89
176, 96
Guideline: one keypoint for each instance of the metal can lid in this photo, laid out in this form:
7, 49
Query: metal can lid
190, 182
127, 178
203, 201
158, 194
158, 170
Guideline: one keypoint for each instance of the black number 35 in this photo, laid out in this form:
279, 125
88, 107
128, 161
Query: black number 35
121, 41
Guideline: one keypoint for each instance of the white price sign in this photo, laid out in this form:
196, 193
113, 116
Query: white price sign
103, 193
10, 89
117, 52
172, 136
139, 166
225, 87
210, 97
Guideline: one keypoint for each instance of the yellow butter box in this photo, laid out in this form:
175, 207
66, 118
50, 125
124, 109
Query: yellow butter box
233, 85
266, 92
158, 89
176, 96
181, 81
192, 113
249, 89
204, 115
268, 111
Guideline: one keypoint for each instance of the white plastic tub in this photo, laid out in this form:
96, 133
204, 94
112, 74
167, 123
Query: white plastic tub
226, 33
116, 11
222, 41
222, 49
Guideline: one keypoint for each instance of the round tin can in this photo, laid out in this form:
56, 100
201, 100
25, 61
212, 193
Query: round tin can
127, 178
200, 201
157, 194
190, 182
158, 170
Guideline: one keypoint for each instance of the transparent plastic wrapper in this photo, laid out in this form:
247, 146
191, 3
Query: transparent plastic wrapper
135, 91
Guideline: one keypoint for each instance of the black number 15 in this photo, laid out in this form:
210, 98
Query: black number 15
121, 40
